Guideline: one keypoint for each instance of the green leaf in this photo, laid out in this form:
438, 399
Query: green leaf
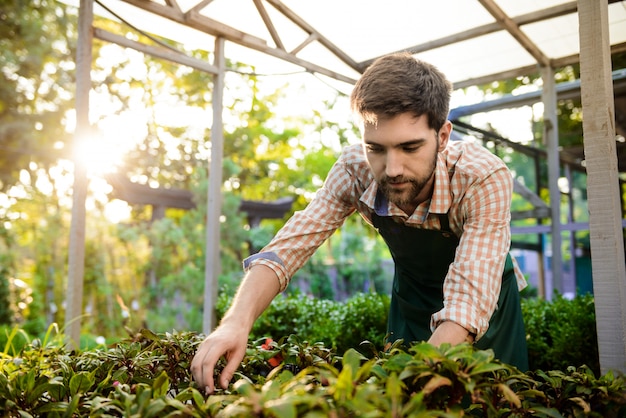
161, 385
80, 382
352, 358
550, 412
435, 383
146, 333
510, 395
486, 367
57, 390
155, 408
71, 407
281, 408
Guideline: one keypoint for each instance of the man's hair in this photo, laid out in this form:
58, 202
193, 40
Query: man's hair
400, 83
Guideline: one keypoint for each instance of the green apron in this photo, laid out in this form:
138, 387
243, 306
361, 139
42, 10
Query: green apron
422, 258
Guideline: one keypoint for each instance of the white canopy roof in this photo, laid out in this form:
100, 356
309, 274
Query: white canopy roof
472, 42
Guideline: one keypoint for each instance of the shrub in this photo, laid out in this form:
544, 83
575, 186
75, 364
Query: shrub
561, 333
340, 325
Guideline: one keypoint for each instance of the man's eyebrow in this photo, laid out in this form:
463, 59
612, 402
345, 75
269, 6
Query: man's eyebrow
411, 142
408, 143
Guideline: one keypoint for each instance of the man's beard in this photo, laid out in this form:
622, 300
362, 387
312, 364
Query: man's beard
408, 196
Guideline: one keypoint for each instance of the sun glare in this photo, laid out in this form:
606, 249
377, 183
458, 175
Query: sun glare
104, 151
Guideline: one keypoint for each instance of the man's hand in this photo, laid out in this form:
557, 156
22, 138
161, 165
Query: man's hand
229, 340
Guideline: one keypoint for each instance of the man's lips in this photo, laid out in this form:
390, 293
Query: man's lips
398, 185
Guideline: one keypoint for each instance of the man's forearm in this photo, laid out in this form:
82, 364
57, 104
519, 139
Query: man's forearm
257, 290
449, 332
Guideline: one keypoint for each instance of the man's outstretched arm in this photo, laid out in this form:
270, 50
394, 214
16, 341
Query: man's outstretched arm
230, 338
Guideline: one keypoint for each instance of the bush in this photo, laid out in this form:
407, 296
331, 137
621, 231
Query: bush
340, 325
561, 333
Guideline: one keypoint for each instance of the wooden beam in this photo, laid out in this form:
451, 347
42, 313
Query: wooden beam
531, 69
76, 256
537, 213
211, 26
529, 195
338, 52
204, 24
173, 4
198, 7
158, 52
212, 258
268, 24
604, 195
515, 31
551, 142
486, 29
311, 38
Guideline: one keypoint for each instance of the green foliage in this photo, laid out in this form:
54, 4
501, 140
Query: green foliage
13, 339
148, 376
6, 315
341, 325
35, 86
561, 333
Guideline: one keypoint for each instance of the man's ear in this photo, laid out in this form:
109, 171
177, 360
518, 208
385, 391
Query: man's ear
444, 135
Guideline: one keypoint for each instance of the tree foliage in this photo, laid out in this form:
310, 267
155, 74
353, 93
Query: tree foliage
36, 84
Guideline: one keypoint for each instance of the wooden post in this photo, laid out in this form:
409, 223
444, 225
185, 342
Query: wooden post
551, 139
605, 215
214, 203
76, 258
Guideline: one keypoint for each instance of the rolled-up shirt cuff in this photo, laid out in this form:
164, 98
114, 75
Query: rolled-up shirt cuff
471, 322
271, 260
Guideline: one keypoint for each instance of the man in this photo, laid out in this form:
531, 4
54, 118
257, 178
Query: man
442, 207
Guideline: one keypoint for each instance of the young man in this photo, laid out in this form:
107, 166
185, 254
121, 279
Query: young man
442, 207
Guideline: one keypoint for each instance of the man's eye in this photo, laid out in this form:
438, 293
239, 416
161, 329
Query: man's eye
410, 149
374, 150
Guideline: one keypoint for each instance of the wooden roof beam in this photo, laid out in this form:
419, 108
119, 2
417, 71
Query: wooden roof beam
197, 21
515, 31
548, 13
268, 24
154, 51
523, 71
338, 52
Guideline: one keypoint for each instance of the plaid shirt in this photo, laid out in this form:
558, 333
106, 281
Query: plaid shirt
471, 184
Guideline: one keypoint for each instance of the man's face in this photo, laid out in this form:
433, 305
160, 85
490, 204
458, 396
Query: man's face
402, 154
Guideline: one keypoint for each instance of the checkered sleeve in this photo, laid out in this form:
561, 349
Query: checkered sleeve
473, 282
306, 230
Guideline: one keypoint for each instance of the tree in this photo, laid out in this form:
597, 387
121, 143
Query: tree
36, 84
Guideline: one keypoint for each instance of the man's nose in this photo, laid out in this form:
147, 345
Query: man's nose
393, 165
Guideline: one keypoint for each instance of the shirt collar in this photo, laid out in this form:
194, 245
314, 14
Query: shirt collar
440, 201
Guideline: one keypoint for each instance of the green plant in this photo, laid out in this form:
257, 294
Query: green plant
561, 333
341, 325
148, 375
6, 316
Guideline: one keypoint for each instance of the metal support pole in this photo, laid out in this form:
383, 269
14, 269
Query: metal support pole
214, 203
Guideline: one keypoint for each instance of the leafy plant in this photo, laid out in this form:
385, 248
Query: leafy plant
561, 333
148, 375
